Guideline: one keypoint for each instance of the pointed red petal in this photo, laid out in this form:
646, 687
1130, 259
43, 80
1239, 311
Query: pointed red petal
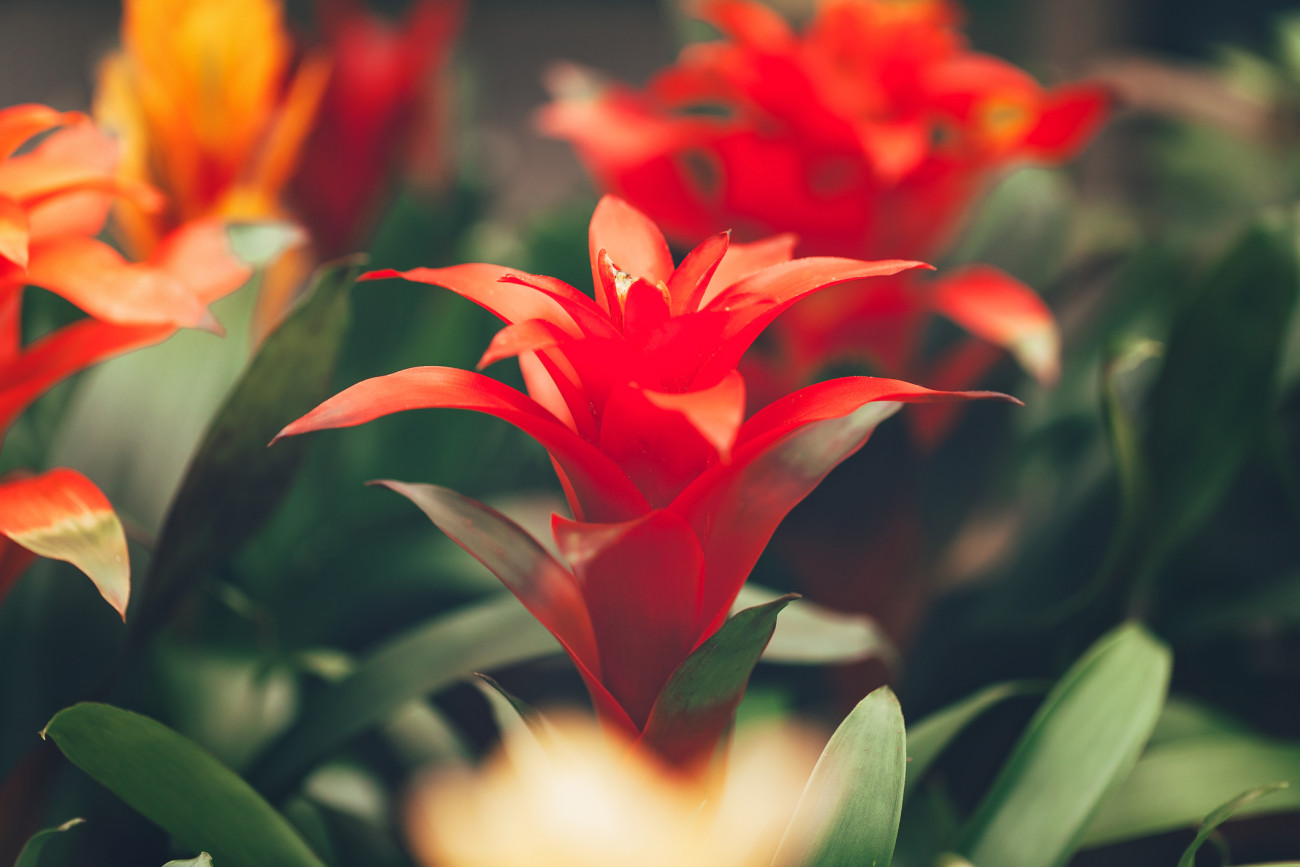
527, 336
509, 301
690, 281
781, 454
745, 259
641, 580
1000, 309
603, 491
715, 412
95, 277
632, 240
62, 515
753, 302
63, 353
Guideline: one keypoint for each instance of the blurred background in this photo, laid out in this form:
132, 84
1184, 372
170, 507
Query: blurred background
1141, 239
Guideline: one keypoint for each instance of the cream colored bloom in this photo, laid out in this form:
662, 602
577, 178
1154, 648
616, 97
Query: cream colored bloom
584, 798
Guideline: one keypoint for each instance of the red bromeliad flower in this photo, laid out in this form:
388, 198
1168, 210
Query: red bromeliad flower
637, 398
54, 200
379, 92
868, 135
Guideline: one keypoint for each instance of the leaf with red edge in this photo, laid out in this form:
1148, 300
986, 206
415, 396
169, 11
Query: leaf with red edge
604, 491
641, 581
547, 589
996, 307
632, 241
698, 703
62, 515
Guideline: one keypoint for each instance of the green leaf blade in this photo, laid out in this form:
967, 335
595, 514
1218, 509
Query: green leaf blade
178, 786
850, 810
481, 637
699, 701
234, 482
1175, 785
1081, 744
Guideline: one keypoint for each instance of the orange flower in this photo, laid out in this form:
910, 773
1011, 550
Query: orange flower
211, 110
54, 200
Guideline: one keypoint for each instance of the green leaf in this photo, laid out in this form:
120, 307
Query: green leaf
1221, 815
31, 854
203, 860
178, 786
848, 815
699, 701
234, 482
808, 634
1083, 741
927, 739
1216, 390
481, 637
1176, 784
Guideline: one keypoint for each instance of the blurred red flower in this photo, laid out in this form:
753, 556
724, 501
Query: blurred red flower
637, 398
868, 135
381, 94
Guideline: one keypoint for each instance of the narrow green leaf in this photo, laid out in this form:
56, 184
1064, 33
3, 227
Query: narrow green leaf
1083, 741
234, 482
178, 786
848, 815
31, 854
1221, 815
1178, 783
927, 739
808, 634
481, 637
699, 701
203, 860
1216, 389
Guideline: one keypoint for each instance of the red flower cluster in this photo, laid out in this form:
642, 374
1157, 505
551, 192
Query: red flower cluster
376, 102
54, 200
868, 135
637, 398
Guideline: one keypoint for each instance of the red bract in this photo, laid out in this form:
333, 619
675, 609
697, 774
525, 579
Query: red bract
380, 89
868, 135
54, 200
637, 398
